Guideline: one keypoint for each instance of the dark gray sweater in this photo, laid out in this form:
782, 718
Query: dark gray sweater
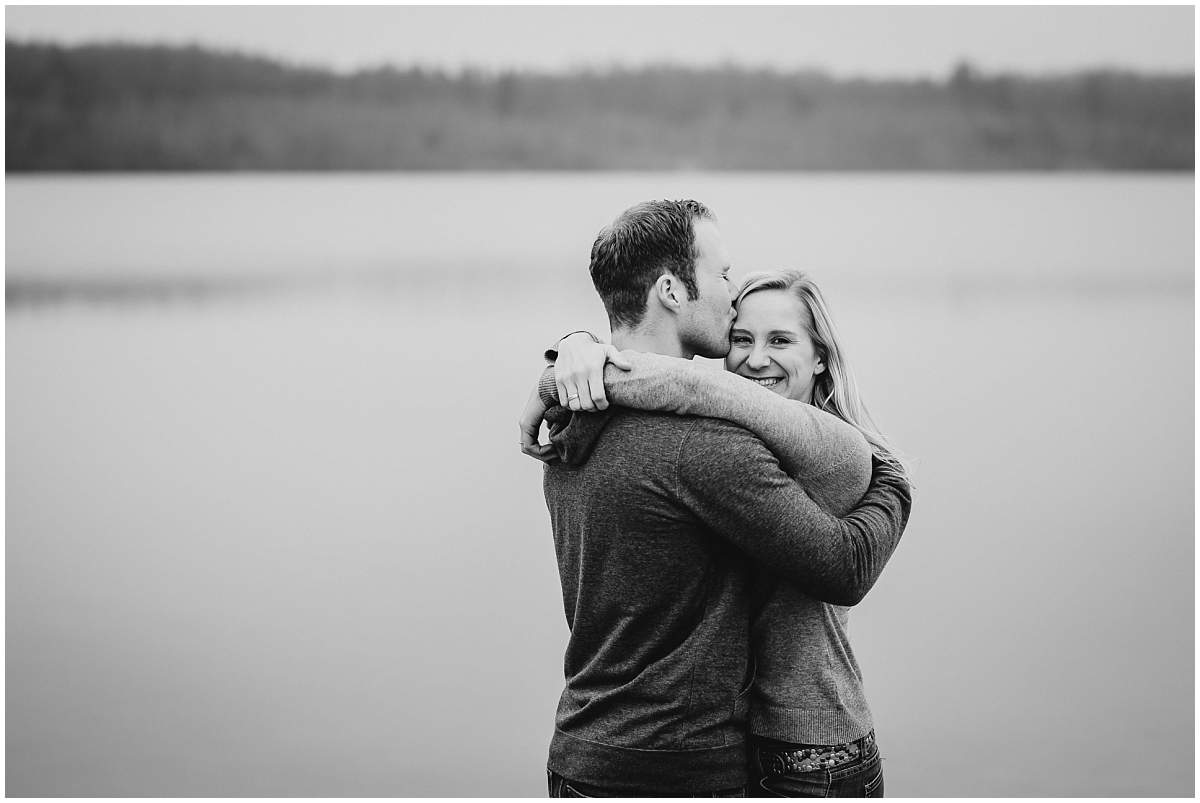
654, 516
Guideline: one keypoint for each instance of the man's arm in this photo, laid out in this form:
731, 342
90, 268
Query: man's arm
735, 485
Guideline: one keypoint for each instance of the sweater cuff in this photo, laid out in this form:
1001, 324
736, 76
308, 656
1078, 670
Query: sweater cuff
548, 388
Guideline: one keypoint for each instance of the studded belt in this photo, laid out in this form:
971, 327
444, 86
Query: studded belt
806, 758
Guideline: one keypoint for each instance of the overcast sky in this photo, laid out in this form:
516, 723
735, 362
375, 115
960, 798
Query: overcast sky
845, 40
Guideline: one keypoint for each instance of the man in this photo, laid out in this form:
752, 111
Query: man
654, 517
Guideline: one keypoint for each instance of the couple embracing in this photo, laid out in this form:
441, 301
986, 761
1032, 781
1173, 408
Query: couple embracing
712, 528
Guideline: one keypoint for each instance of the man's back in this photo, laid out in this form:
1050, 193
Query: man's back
657, 664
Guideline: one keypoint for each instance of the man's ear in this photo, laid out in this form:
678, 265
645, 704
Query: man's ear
666, 290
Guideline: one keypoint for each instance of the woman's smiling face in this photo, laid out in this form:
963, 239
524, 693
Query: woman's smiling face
770, 344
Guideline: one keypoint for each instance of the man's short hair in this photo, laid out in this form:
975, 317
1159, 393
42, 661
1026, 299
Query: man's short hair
644, 242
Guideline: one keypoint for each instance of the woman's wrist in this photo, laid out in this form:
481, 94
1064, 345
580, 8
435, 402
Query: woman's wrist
580, 332
551, 353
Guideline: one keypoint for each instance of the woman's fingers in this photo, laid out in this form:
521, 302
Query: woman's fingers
585, 402
560, 383
569, 393
574, 390
583, 388
596, 389
618, 359
572, 393
541, 451
580, 373
530, 425
572, 387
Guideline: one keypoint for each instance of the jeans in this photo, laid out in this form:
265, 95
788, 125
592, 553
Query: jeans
564, 787
862, 777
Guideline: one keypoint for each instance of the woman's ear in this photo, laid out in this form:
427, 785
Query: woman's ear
820, 366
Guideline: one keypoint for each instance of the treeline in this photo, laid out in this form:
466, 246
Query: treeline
122, 107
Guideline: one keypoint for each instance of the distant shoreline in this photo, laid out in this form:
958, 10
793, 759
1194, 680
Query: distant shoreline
125, 108
905, 172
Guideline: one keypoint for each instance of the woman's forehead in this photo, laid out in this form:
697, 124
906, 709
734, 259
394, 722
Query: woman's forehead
773, 309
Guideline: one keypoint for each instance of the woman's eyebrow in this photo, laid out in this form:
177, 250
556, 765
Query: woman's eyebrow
792, 332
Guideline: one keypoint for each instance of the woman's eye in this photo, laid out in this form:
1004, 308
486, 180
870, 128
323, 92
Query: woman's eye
780, 341
739, 341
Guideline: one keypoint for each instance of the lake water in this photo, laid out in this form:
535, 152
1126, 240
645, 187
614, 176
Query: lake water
269, 531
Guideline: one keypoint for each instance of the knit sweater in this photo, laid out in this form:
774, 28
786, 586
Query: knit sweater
653, 517
808, 687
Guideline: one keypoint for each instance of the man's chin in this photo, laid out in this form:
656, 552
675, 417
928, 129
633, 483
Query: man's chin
715, 353
716, 348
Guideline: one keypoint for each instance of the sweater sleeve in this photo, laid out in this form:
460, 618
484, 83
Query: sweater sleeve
547, 388
809, 442
736, 486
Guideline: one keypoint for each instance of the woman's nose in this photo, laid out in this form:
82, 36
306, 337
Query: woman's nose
758, 358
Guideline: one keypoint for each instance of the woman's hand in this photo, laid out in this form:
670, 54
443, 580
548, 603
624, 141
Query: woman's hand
530, 425
579, 371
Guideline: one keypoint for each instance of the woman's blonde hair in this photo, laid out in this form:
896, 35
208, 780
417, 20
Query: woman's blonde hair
834, 389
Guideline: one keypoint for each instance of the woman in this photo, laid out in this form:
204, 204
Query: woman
811, 729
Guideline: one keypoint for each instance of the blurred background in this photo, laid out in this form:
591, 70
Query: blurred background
277, 285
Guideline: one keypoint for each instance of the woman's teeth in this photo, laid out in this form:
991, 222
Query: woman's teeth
768, 382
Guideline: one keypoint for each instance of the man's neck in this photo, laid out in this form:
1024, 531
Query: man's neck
650, 339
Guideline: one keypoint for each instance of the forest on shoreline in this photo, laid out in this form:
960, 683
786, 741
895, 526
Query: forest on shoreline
118, 107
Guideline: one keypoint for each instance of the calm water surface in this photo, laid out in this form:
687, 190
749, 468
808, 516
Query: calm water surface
269, 533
